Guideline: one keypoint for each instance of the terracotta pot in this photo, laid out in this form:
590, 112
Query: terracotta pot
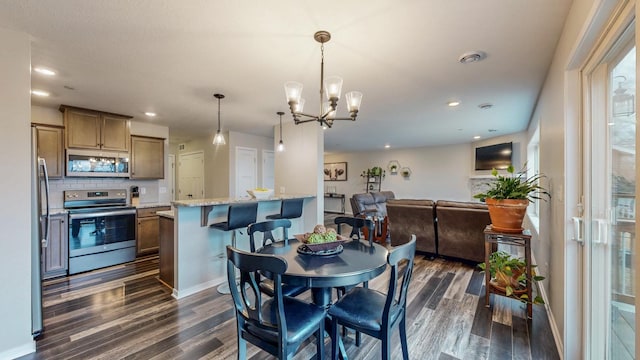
507, 215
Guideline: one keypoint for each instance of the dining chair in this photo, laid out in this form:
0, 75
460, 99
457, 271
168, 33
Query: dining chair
267, 229
375, 313
356, 224
277, 325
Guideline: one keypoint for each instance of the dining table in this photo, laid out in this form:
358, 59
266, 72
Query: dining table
356, 263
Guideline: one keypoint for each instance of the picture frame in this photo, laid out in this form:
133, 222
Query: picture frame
335, 171
625, 208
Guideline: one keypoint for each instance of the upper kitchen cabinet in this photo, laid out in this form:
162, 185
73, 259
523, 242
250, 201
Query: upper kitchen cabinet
50, 145
147, 158
90, 129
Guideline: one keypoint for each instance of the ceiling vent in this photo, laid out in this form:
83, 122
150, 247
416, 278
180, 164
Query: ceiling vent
485, 106
471, 57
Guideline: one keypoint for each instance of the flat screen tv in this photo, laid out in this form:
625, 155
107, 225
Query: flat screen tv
496, 156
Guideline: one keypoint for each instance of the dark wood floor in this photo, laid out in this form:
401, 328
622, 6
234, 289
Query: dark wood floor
123, 312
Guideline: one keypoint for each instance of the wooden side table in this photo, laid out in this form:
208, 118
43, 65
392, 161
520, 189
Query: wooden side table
523, 239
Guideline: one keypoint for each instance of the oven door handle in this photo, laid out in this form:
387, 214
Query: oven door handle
102, 213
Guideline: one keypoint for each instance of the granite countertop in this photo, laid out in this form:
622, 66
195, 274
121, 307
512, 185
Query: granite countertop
231, 200
165, 213
150, 205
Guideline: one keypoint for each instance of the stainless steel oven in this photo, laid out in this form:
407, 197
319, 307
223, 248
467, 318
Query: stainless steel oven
101, 229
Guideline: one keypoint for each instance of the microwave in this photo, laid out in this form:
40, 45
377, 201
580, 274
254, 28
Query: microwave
97, 163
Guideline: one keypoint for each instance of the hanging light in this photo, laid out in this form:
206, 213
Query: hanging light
623, 103
332, 87
219, 138
280, 144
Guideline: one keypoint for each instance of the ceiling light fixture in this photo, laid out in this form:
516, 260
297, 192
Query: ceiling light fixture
44, 71
453, 103
219, 138
387, 146
477, 137
40, 93
150, 114
332, 87
280, 144
471, 57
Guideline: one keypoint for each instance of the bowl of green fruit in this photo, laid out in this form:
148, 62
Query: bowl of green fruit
260, 193
321, 239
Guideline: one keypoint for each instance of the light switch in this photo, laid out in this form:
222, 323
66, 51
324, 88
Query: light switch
143, 191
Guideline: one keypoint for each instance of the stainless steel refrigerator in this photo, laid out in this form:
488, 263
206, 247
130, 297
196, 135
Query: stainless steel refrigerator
39, 230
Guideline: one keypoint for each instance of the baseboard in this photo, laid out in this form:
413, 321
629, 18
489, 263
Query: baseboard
194, 289
557, 336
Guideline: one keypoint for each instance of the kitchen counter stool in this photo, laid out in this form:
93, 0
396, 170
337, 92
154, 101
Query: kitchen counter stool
239, 216
289, 209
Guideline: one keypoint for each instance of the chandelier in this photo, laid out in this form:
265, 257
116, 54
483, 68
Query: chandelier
332, 88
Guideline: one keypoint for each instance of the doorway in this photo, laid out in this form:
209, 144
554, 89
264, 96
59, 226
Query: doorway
246, 170
191, 175
609, 192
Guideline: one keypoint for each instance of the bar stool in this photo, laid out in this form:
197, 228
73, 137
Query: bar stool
289, 209
239, 216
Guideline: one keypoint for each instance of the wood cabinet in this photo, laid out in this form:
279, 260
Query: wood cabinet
148, 230
55, 256
147, 158
90, 129
50, 145
166, 251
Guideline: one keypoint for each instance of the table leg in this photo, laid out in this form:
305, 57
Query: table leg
322, 297
527, 258
487, 272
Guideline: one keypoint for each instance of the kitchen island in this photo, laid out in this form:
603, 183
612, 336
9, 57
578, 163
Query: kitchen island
199, 251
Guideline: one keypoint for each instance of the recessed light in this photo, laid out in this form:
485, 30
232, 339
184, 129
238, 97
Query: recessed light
477, 137
387, 146
485, 106
44, 71
40, 93
471, 57
453, 103
150, 114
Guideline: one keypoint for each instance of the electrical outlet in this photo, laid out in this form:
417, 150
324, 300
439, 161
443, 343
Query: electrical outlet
143, 191
281, 189
162, 190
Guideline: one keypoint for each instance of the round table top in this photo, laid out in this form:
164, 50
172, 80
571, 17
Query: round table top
358, 262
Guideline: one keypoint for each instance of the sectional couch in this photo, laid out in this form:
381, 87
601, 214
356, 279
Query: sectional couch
443, 228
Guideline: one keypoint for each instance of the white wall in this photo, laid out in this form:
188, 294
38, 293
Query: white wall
15, 215
437, 172
298, 169
557, 114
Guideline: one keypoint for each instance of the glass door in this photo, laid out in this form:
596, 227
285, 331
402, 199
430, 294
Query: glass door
609, 144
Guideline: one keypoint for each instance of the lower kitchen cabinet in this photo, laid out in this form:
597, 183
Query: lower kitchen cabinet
55, 256
166, 251
148, 230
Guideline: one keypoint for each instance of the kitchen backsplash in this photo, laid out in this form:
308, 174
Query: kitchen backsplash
151, 191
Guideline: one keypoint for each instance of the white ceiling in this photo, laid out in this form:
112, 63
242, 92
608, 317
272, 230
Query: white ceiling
170, 57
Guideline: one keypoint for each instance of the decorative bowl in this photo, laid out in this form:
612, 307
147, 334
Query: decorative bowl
322, 246
260, 194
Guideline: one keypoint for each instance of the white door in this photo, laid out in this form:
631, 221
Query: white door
268, 169
191, 176
609, 186
246, 170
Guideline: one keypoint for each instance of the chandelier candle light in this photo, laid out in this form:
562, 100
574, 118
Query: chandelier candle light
332, 86
219, 138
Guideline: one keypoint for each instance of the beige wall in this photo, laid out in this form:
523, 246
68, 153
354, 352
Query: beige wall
15, 216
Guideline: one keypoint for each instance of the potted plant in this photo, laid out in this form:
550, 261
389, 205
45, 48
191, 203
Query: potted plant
508, 197
508, 274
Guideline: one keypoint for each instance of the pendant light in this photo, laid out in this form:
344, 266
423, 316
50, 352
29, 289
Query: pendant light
219, 138
280, 144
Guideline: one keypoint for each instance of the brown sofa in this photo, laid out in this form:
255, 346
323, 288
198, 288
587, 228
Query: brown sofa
417, 217
460, 229
446, 228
